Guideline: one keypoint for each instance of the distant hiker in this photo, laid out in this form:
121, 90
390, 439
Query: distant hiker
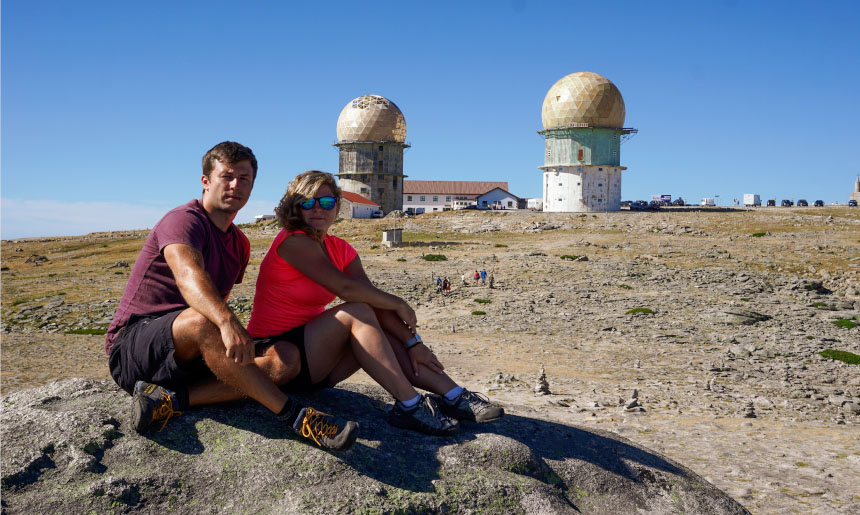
483, 277
305, 269
477, 277
175, 344
446, 284
438, 284
463, 279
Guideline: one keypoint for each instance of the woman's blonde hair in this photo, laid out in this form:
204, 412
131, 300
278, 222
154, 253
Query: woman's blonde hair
305, 186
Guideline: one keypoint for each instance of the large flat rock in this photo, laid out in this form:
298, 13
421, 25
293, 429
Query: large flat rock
67, 447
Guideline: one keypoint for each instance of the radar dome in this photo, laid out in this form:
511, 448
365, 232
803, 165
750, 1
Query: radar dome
371, 118
583, 98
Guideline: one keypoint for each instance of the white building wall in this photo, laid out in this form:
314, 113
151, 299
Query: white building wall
580, 189
430, 202
504, 200
362, 210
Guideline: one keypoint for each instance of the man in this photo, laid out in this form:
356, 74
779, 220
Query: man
174, 343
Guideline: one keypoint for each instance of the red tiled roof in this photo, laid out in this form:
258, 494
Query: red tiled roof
355, 198
452, 187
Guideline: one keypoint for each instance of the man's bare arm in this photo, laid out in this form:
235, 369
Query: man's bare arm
199, 292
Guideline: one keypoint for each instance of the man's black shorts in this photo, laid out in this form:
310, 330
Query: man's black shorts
144, 351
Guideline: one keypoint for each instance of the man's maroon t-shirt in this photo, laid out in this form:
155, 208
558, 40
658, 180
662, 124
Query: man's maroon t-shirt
152, 289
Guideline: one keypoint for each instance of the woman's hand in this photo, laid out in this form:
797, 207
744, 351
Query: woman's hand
421, 355
407, 314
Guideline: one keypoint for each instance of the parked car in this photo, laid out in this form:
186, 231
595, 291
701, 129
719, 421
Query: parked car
679, 202
654, 205
771, 202
638, 205
376, 214
802, 203
852, 203
471, 206
786, 203
819, 203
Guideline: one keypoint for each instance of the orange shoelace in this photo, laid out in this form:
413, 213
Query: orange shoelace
165, 411
314, 424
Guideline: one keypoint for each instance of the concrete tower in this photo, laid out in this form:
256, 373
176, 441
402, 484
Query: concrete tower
583, 127
371, 136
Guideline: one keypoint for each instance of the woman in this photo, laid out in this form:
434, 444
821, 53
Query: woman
304, 270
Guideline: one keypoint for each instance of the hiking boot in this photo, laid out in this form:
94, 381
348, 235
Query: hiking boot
152, 403
470, 406
425, 417
328, 431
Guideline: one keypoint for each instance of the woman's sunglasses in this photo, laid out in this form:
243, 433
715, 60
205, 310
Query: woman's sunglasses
326, 203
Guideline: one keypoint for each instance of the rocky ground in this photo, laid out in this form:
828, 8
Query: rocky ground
720, 369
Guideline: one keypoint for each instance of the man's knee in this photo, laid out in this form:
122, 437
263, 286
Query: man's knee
191, 330
282, 362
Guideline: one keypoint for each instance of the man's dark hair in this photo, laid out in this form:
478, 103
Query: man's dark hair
228, 152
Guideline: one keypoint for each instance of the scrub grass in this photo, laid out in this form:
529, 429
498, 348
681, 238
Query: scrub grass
845, 323
87, 331
568, 257
758, 234
435, 257
841, 355
636, 311
483, 301
479, 312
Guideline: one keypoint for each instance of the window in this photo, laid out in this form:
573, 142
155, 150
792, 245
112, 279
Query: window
581, 154
364, 177
599, 184
380, 164
510, 203
435, 198
408, 198
578, 184
380, 148
381, 177
484, 203
614, 153
447, 198
559, 184
364, 190
381, 190
422, 198
548, 153
600, 169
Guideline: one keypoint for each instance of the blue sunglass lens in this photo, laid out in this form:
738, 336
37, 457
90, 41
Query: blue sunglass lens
326, 203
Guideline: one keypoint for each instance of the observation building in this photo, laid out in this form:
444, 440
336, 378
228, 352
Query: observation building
583, 127
371, 137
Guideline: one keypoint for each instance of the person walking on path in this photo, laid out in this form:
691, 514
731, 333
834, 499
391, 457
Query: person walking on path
175, 344
477, 277
484, 277
305, 269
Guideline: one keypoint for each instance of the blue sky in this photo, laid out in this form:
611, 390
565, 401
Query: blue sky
107, 107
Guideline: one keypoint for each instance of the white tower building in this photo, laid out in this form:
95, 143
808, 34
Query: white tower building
583, 122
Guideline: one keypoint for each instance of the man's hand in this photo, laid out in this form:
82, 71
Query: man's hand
421, 355
237, 342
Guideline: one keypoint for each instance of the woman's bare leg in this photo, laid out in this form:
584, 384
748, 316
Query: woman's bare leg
426, 379
352, 328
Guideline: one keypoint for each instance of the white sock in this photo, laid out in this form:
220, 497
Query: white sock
411, 402
454, 393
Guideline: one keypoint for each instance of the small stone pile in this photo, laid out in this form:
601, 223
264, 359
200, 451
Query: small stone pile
541, 385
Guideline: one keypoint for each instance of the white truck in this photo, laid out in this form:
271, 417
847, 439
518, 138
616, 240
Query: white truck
752, 200
708, 202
